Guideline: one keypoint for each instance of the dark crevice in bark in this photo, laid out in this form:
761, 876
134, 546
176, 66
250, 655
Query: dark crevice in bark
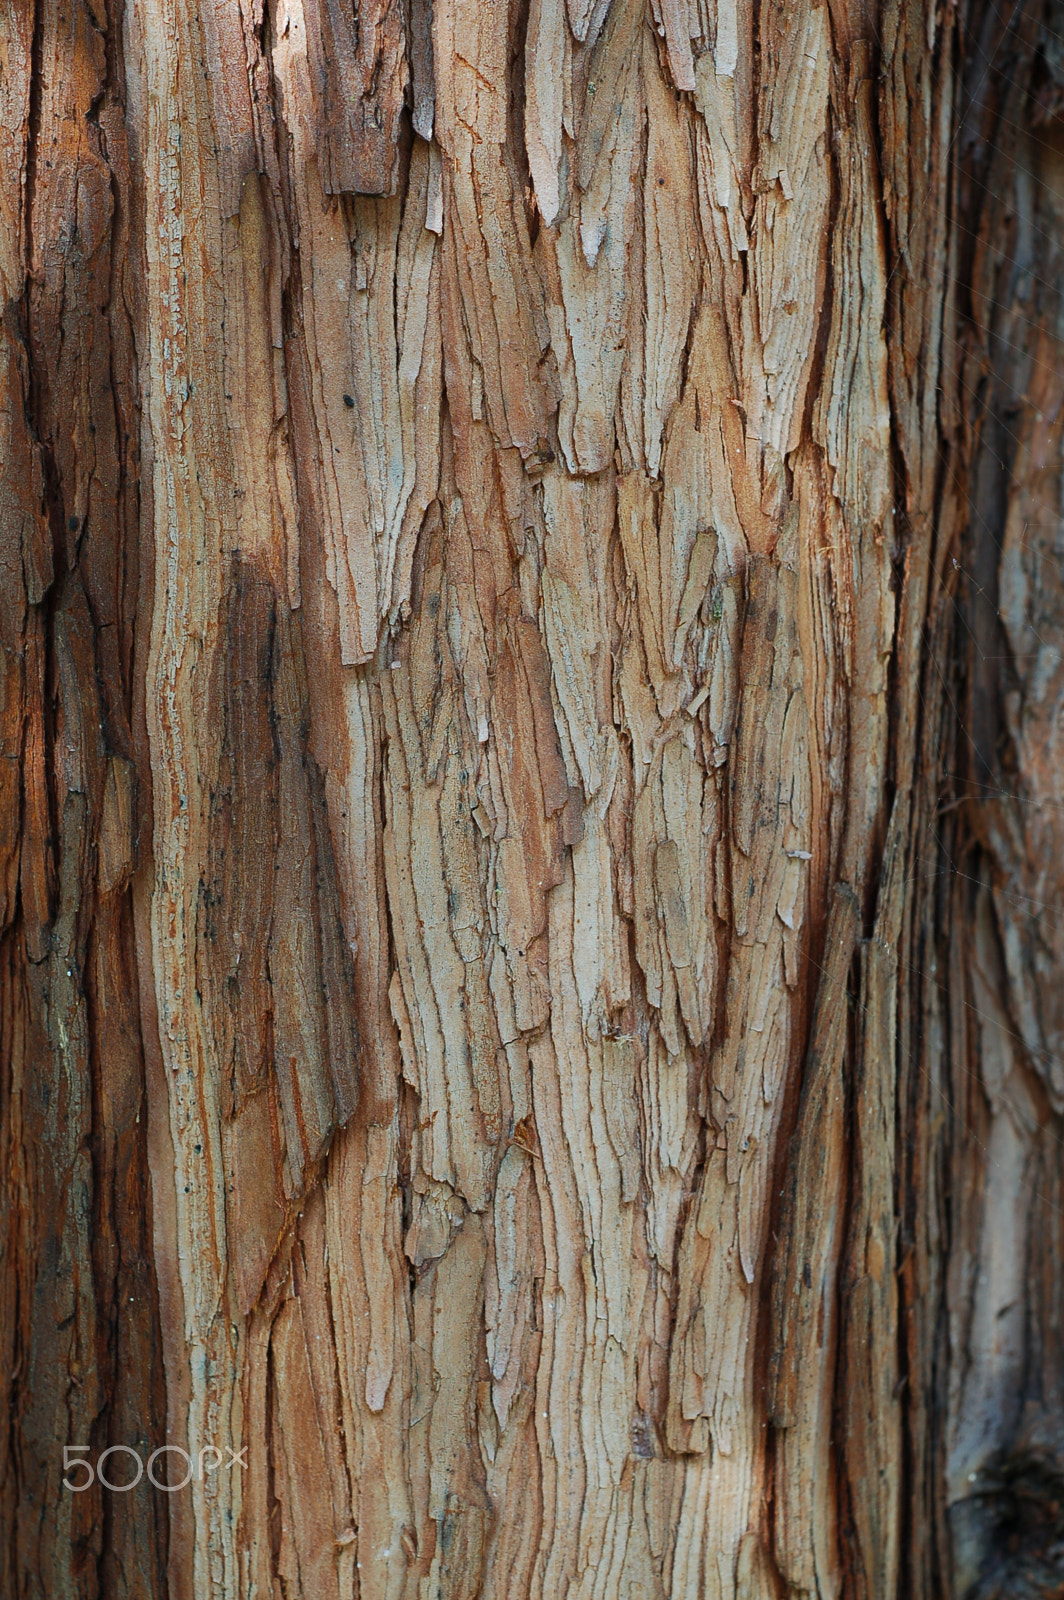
97, 1381
999, 1530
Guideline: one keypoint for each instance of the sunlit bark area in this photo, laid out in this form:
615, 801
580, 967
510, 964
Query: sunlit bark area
531, 860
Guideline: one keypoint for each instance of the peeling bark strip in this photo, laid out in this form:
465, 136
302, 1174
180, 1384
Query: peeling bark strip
529, 817
356, 58
804, 1291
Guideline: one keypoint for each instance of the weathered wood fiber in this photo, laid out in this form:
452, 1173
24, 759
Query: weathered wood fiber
530, 843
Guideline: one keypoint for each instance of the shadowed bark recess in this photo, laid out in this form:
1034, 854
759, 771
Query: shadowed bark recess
530, 859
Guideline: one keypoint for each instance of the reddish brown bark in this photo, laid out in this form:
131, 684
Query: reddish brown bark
530, 853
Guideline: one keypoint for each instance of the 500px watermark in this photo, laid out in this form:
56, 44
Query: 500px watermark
209, 1460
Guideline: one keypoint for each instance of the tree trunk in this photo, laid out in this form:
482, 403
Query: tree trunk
532, 799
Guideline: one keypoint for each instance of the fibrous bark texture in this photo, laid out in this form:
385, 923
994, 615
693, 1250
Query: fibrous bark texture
531, 858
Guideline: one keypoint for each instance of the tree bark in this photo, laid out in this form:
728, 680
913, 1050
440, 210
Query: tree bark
531, 1037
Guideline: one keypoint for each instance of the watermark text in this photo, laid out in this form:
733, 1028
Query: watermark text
80, 1473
